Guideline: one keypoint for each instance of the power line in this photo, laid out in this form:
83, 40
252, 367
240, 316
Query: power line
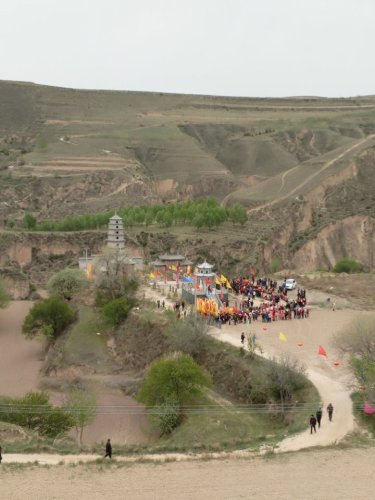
253, 409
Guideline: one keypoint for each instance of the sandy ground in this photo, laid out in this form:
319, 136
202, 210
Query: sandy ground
318, 475
20, 359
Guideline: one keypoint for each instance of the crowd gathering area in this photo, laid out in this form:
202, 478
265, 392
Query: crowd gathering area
262, 300
243, 300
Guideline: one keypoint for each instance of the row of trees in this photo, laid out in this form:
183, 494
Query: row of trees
201, 213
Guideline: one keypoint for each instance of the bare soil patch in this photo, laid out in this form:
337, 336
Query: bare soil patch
20, 359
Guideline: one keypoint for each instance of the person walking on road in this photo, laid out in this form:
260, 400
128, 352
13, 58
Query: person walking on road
330, 411
319, 414
1, 456
242, 338
312, 424
108, 449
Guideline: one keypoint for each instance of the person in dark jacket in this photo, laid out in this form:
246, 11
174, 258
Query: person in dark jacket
1, 456
312, 424
319, 414
330, 411
108, 449
242, 338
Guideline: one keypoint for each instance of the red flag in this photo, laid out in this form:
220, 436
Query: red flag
368, 409
322, 351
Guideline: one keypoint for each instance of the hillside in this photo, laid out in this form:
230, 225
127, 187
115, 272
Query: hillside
302, 166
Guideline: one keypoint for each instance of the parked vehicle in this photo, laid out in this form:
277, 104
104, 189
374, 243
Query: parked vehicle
290, 284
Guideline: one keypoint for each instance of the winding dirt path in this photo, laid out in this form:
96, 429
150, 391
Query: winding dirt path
334, 383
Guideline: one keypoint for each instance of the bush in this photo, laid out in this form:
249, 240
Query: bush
35, 412
116, 311
347, 265
275, 265
168, 417
49, 317
4, 297
67, 283
29, 221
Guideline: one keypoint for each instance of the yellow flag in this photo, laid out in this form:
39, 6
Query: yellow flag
223, 278
217, 282
152, 276
282, 337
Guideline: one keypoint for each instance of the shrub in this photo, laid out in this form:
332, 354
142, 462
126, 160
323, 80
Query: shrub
49, 316
29, 221
67, 283
35, 412
116, 311
347, 265
4, 297
275, 265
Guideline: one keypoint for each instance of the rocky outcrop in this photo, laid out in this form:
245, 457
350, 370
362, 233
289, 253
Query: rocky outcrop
352, 237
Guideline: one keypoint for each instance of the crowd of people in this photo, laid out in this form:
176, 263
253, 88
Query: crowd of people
263, 299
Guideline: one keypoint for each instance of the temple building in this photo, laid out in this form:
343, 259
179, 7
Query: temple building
203, 284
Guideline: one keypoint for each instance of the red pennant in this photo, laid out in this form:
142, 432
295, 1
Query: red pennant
322, 351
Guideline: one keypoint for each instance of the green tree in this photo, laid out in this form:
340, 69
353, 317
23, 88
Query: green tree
178, 378
172, 383
29, 221
116, 311
4, 297
81, 407
49, 316
67, 283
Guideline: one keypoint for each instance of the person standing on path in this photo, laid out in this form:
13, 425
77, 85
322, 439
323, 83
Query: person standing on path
1, 456
319, 414
108, 449
312, 424
242, 338
330, 411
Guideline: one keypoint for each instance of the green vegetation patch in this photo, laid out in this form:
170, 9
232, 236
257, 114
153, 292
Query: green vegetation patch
202, 213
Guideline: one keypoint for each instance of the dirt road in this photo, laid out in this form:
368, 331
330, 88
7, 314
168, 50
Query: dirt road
317, 475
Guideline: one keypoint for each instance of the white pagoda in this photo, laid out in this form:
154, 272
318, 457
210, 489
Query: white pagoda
116, 237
